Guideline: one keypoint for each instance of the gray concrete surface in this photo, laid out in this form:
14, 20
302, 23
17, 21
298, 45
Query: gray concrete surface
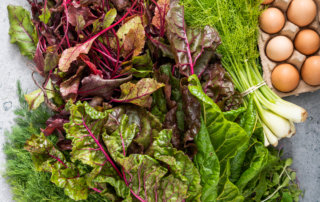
304, 147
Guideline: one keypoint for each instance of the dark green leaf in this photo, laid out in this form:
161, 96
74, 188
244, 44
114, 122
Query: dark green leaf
208, 165
258, 163
286, 197
140, 66
248, 123
230, 193
226, 136
234, 114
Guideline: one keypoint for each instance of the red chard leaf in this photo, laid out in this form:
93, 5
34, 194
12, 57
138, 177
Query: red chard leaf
189, 45
94, 85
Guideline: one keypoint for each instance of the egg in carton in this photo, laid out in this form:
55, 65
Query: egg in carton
290, 30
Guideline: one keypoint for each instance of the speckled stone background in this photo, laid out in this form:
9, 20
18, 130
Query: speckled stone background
304, 147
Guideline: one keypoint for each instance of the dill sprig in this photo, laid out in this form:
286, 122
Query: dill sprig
26, 183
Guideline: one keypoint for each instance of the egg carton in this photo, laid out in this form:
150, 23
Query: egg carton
297, 59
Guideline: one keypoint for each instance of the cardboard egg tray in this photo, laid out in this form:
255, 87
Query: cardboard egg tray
297, 59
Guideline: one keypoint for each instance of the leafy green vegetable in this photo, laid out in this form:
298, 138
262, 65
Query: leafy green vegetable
248, 123
208, 165
106, 21
22, 30
27, 183
140, 66
45, 16
180, 164
36, 98
139, 93
132, 36
226, 136
217, 84
192, 48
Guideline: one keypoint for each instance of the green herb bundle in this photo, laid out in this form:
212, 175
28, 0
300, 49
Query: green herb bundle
237, 24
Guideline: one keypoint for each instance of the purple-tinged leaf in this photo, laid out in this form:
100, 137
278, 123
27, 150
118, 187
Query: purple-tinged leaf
94, 85
69, 88
189, 46
71, 54
217, 84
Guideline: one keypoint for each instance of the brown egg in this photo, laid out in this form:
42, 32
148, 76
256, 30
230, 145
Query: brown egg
302, 12
310, 71
307, 41
272, 20
280, 48
267, 1
285, 77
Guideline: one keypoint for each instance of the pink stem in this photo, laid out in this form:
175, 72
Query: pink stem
59, 160
113, 25
103, 53
101, 148
97, 190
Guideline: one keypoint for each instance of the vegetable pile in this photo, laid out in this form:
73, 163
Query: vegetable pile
142, 106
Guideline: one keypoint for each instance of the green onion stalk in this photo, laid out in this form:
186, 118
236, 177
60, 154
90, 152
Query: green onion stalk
238, 26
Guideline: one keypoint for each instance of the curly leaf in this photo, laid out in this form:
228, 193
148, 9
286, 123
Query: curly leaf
68, 178
108, 182
147, 179
43, 152
139, 93
84, 148
180, 164
22, 30
148, 126
218, 85
118, 142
